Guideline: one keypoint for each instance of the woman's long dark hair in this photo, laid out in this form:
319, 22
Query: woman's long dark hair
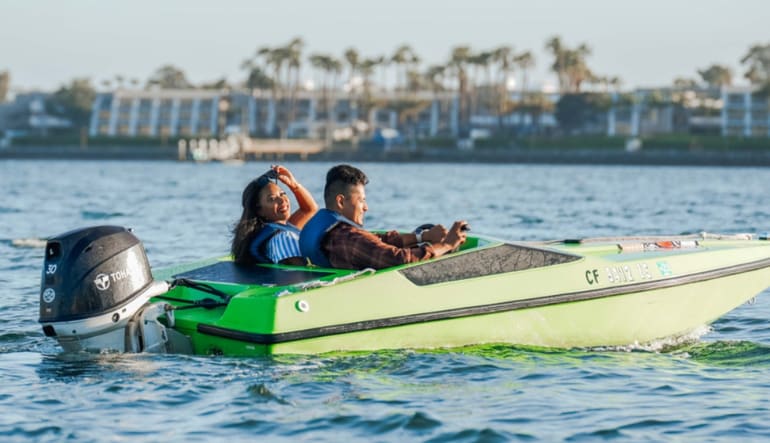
250, 223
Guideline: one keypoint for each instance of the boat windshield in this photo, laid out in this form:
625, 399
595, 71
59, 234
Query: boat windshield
486, 261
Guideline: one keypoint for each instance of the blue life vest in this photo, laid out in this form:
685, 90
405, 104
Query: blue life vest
315, 230
258, 245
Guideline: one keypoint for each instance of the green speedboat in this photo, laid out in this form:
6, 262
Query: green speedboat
98, 292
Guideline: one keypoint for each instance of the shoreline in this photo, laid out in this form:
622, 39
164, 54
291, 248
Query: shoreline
582, 156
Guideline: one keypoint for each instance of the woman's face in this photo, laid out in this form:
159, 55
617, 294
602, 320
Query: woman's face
274, 205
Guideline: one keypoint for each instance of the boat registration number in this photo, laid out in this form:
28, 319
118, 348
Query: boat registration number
619, 274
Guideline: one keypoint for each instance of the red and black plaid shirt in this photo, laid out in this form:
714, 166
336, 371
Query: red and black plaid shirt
348, 247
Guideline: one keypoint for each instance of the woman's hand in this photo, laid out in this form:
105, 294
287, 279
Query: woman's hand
285, 176
307, 206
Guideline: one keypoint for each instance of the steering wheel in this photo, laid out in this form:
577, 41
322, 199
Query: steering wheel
423, 227
426, 226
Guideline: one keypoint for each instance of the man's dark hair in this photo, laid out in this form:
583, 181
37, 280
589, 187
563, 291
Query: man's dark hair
340, 179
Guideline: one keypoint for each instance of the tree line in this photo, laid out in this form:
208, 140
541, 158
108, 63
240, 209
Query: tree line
478, 77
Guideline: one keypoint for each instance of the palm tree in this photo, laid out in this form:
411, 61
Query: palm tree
475, 62
434, 77
414, 62
482, 62
577, 69
525, 61
404, 58
758, 61
383, 63
353, 59
415, 81
5, 84
559, 64
329, 66
458, 62
569, 64
367, 68
256, 76
285, 62
503, 56
293, 52
273, 58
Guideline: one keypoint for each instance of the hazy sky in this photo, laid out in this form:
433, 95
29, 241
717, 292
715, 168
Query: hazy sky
44, 43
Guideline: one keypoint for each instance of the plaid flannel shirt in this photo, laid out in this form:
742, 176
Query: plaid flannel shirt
348, 247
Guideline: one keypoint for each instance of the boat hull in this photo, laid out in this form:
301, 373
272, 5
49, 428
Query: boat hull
575, 295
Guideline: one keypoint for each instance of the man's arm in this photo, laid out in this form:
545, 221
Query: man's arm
357, 249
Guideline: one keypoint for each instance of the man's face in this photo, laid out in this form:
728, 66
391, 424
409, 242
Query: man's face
353, 205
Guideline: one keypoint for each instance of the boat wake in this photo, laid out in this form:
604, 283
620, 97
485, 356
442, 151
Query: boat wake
738, 353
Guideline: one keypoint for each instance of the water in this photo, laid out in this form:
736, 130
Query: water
711, 389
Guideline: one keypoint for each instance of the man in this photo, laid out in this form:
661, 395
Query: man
335, 236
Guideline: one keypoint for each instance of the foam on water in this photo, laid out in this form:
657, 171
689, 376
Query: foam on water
666, 344
28, 242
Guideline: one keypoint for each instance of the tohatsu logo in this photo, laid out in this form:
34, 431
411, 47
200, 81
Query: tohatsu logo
102, 281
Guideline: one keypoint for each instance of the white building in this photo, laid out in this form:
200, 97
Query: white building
207, 113
745, 113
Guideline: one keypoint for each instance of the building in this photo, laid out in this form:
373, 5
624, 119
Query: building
307, 114
745, 113
27, 115
155, 113
338, 115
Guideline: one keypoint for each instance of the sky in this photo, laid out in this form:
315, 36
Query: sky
649, 43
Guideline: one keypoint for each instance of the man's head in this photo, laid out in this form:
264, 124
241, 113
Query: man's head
344, 192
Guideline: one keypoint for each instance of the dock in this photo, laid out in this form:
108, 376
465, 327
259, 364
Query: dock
245, 148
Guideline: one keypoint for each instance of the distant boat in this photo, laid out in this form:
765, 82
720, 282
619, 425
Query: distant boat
98, 293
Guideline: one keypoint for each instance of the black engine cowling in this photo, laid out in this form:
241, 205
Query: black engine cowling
96, 292
91, 271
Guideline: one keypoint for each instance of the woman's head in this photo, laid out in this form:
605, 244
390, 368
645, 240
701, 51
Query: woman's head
263, 199
263, 202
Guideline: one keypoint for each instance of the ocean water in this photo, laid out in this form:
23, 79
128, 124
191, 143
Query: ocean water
713, 386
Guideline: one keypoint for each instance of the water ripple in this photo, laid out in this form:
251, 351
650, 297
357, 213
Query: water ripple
100, 215
730, 353
707, 386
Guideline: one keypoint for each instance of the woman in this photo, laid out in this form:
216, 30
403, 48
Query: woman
268, 232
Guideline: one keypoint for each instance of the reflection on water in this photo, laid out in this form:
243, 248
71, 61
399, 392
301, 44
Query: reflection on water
75, 367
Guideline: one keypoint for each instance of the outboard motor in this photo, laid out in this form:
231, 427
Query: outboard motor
95, 291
